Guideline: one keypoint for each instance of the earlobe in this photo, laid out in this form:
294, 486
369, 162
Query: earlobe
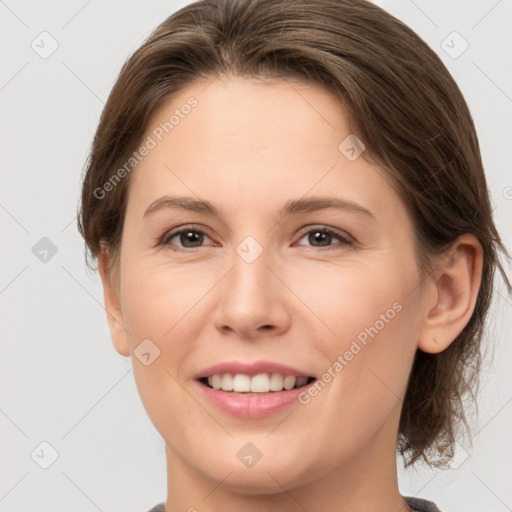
455, 292
113, 309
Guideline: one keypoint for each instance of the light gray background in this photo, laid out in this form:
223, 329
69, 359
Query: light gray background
61, 380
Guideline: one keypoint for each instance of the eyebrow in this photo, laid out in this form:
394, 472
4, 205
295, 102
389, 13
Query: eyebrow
304, 205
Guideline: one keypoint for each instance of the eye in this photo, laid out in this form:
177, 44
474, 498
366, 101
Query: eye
189, 237
192, 238
324, 236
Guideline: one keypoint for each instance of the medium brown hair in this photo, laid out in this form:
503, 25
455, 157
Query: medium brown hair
401, 102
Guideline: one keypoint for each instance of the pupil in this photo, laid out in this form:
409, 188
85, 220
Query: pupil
188, 235
321, 237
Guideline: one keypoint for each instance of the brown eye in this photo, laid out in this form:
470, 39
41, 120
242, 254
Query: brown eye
187, 238
324, 236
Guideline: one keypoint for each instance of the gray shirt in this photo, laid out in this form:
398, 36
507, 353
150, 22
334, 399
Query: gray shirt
417, 504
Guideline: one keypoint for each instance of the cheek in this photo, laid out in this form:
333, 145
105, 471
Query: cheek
355, 301
160, 300
371, 338
158, 305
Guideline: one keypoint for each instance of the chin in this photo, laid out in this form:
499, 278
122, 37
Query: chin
269, 475
265, 480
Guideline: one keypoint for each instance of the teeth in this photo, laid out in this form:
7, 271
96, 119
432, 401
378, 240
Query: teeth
261, 383
276, 382
241, 383
301, 381
227, 382
216, 381
289, 382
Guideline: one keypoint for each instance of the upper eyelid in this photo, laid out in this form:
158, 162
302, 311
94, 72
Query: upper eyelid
171, 233
322, 227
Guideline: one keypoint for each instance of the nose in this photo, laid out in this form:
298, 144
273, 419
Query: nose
252, 299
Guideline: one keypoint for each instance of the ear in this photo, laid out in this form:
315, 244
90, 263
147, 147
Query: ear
115, 320
455, 291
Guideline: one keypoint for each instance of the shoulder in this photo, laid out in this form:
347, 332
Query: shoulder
158, 508
420, 504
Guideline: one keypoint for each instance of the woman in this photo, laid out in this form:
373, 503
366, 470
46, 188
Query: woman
291, 220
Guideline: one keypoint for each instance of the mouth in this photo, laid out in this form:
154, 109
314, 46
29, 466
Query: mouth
241, 376
252, 390
262, 383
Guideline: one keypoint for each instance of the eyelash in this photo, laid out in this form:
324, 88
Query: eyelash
168, 236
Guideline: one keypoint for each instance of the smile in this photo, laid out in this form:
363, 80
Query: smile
252, 390
261, 383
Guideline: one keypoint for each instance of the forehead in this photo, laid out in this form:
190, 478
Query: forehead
258, 115
248, 142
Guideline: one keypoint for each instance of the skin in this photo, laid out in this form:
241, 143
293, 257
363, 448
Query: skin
248, 147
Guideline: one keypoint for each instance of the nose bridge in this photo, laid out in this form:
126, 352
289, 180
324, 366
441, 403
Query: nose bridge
250, 275
250, 296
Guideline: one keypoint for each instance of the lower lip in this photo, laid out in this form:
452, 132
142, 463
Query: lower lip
251, 406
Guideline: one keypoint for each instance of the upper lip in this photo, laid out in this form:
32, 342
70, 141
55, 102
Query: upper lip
250, 368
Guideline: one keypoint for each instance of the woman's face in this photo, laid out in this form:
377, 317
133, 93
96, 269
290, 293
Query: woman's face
257, 288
